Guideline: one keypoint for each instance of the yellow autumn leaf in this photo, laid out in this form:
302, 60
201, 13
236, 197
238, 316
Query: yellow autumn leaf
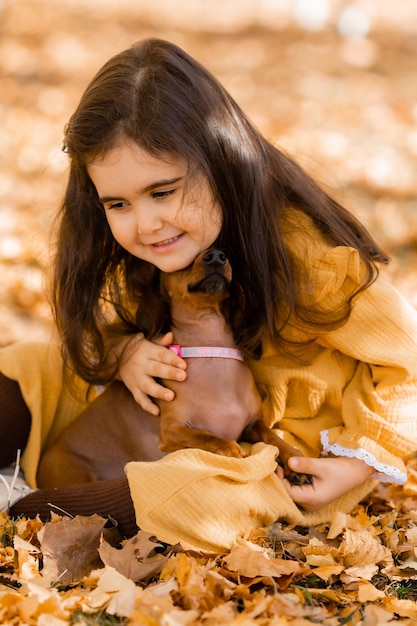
325, 572
360, 519
188, 571
404, 608
27, 565
338, 525
50, 620
369, 593
6, 556
410, 487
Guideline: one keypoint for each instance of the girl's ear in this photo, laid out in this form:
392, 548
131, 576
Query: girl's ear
153, 315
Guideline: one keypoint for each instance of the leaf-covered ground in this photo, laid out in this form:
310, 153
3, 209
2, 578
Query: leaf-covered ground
361, 569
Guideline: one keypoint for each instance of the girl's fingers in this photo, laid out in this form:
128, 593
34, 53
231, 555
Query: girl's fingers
156, 369
151, 389
169, 356
305, 465
146, 403
154, 389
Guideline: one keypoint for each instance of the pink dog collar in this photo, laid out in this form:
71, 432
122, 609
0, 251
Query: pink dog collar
206, 351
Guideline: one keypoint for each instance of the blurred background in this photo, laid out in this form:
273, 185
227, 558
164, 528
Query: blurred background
332, 82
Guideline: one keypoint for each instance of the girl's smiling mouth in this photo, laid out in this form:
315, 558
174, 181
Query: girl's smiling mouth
167, 242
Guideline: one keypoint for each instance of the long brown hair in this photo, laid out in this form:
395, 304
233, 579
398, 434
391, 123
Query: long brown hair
158, 96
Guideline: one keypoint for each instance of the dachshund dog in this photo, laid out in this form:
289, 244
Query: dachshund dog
214, 408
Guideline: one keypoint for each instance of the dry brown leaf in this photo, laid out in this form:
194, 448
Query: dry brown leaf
251, 560
377, 616
70, 547
365, 572
136, 559
359, 547
278, 533
320, 554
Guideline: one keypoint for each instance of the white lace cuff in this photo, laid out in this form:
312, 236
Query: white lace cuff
385, 473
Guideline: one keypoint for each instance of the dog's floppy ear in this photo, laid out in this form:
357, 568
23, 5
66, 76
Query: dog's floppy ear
233, 309
153, 314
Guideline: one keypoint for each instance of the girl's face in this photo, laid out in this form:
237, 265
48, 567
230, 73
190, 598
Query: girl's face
149, 211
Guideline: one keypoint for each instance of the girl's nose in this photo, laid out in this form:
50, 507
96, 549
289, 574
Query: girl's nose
147, 219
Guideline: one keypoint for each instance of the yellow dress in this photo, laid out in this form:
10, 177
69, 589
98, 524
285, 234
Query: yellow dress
354, 393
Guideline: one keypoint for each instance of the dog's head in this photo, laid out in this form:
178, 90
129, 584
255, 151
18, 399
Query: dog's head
206, 282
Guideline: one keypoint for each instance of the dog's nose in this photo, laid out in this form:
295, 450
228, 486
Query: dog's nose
214, 258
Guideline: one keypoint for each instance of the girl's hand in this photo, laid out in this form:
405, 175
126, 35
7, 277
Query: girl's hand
142, 361
332, 478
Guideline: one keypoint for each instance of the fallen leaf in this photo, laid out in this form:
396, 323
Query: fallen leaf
377, 616
404, 608
359, 547
70, 548
320, 554
365, 572
137, 559
327, 571
251, 561
338, 525
369, 593
122, 592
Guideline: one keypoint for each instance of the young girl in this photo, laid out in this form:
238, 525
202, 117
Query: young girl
163, 164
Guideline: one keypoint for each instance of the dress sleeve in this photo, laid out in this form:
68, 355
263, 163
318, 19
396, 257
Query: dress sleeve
379, 403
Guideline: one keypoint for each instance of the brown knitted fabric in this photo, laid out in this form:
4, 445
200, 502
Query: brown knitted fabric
108, 498
15, 421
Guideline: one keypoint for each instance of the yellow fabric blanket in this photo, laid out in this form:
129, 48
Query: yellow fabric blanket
204, 500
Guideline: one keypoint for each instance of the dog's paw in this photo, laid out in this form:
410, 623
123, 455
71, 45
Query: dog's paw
295, 478
231, 449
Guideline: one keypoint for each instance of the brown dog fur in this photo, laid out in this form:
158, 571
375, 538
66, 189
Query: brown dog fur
216, 406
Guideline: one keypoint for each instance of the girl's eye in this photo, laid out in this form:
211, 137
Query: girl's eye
116, 205
160, 195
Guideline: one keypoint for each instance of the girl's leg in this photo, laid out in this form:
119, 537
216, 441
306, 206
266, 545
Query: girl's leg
15, 421
108, 498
